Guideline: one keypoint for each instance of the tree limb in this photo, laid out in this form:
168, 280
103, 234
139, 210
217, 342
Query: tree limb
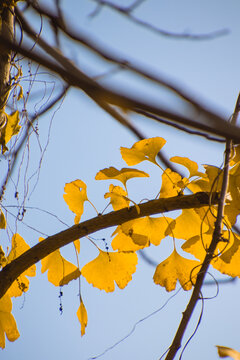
176, 344
14, 269
74, 77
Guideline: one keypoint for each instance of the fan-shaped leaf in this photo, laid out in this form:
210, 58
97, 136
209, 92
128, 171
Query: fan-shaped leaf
146, 149
122, 175
110, 267
76, 195
174, 268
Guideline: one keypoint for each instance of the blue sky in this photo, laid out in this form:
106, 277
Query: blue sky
83, 140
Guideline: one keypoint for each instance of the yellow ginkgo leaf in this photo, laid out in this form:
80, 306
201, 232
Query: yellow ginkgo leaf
235, 155
215, 176
229, 260
170, 184
11, 128
8, 324
3, 259
122, 175
146, 149
199, 185
19, 246
82, 316
188, 224
76, 195
197, 246
233, 206
60, 271
192, 166
123, 242
224, 351
77, 245
2, 220
146, 229
118, 197
110, 267
174, 268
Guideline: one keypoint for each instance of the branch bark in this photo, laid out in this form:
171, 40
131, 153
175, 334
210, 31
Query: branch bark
97, 92
176, 344
14, 269
6, 30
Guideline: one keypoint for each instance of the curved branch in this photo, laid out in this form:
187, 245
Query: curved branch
73, 76
14, 269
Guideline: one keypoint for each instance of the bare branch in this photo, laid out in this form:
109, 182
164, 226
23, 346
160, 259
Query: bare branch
176, 344
107, 54
179, 127
14, 269
73, 76
127, 11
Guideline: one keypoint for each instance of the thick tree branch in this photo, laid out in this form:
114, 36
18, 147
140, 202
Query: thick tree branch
73, 76
14, 269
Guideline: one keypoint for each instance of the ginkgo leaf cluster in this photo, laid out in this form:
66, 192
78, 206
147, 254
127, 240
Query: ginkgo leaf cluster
116, 265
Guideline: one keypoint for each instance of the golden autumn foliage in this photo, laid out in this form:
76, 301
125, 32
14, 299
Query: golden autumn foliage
116, 266
82, 316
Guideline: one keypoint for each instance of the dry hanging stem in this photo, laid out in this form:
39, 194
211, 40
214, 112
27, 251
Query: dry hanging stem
176, 344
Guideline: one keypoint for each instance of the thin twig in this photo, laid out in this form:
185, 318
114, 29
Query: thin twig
179, 127
14, 155
176, 344
127, 11
97, 47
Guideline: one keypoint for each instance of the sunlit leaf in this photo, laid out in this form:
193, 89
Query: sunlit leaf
3, 259
11, 128
189, 224
170, 184
232, 208
235, 155
123, 242
229, 260
226, 249
197, 246
146, 229
192, 166
110, 267
176, 268
82, 316
19, 246
224, 351
2, 220
146, 149
122, 175
215, 176
76, 195
199, 185
8, 324
211, 181
118, 197
60, 271
77, 245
